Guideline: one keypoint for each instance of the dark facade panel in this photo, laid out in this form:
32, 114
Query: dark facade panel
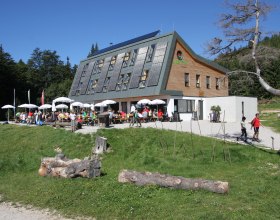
77, 80
103, 74
87, 78
138, 68
116, 72
157, 64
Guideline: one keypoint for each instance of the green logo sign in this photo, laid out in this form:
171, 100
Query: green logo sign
177, 61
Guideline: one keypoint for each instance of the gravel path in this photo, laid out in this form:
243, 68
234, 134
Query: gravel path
8, 211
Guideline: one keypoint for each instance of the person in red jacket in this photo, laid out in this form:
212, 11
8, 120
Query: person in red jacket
256, 124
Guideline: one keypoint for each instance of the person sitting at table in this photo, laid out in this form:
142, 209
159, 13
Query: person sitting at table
66, 116
145, 115
154, 115
23, 117
123, 116
29, 118
79, 122
160, 115
150, 115
93, 118
60, 116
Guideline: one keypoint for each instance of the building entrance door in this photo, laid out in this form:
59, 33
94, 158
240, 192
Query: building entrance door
200, 104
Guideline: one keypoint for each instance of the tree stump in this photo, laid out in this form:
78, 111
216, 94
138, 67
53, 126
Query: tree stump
100, 145
175, 182
60, 166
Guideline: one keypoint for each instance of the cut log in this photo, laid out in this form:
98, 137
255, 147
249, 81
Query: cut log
63, 167
175, 182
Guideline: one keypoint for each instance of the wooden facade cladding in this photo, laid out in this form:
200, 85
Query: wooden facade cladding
188, 64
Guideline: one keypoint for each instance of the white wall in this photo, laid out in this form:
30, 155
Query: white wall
231, 107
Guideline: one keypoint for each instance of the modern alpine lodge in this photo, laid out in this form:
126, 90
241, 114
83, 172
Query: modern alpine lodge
156, 66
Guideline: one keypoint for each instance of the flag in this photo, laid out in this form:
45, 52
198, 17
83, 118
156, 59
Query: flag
43, 98
28, 94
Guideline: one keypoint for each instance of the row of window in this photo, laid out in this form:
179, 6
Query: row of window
122, 83
198, 81
129, 59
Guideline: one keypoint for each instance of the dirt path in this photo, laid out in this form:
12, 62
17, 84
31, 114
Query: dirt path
8, 211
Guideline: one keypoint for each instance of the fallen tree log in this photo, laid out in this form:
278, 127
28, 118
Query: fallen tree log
67, 168
176, 182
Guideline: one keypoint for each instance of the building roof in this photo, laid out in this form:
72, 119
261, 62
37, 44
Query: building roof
137, 67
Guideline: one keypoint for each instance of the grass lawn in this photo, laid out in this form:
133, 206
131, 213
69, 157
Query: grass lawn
270, 119
253, 175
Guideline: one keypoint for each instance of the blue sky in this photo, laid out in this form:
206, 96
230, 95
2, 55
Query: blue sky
70, 27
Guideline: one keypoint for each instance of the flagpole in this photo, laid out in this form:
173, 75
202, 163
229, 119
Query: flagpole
28, 94
15, 104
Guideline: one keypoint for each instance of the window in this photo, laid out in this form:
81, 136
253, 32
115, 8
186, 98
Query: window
179, 55
126, 81
133, 58
197, 81
187, 79
80, 84
85, 69
94, 84
112, 62
186, 105
77, 92
151, 53
217, 83
208, 82
95, 67
143, 79
100, 65
120, 82
106, 83
126, 59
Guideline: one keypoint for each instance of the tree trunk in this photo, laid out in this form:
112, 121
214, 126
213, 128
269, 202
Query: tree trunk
63, 167
175, 182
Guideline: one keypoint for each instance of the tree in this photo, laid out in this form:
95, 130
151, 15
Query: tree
238, 28
93, 50
7, 79
47, 72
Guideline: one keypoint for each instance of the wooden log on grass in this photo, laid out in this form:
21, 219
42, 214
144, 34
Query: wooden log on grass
67, 168
175, 182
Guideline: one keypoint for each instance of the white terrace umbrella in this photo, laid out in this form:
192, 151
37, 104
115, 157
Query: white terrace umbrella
157, 102
143, 101
61, 106
86, 105
63, 99
109, 102
100, 104
76, 104
28, 106
45, 106
8, 107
